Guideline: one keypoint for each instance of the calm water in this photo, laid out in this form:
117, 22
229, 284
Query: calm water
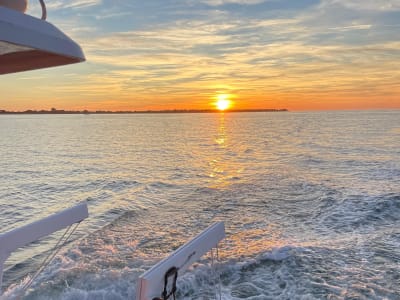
311, 201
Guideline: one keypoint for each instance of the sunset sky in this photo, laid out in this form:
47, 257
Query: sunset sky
184, 54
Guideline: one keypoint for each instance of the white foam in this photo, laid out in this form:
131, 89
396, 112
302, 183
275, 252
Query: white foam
278, 254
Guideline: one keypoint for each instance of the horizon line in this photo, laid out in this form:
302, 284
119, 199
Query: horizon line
85, 111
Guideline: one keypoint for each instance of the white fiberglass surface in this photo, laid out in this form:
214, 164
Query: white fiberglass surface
6, 48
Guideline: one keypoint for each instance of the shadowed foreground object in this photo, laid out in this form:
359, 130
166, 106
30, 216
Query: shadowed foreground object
154, 282
28, 43
19, 237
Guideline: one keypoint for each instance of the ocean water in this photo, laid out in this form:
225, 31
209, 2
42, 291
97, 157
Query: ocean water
310, 201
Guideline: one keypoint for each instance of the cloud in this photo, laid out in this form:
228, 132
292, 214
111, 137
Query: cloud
198, 58
72, 4
156, 51
372, 5
352, 27
241, 2
58, 6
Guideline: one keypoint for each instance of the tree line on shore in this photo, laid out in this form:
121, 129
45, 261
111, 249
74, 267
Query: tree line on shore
62, 111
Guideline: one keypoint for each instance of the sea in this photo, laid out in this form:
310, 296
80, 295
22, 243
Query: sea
310, 202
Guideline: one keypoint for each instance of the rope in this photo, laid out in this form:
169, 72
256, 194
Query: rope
61, 242
216, 275
173, 271
219, 276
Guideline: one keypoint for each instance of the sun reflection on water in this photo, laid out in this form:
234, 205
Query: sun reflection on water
221, 137
253, 241
224, 165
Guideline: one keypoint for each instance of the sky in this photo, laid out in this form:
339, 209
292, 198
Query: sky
184, 54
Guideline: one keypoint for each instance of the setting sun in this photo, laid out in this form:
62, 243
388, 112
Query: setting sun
223, 102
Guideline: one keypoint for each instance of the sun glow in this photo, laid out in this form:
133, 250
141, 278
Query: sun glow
223, 103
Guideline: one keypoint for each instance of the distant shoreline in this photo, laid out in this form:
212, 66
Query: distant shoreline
54, 111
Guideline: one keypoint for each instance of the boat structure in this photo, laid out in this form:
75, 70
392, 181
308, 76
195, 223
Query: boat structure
159, 282
22, 236
29, 43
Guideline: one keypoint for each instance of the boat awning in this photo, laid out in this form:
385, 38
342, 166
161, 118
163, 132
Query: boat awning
28, 43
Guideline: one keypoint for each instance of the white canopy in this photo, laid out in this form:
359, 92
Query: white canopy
28, 43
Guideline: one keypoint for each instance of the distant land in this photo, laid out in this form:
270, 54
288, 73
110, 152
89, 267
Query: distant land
171, 111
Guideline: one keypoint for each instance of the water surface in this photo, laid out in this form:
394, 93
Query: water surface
311, 201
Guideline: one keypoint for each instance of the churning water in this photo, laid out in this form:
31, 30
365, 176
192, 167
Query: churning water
311, 201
